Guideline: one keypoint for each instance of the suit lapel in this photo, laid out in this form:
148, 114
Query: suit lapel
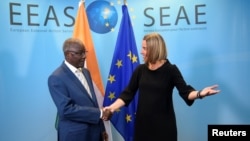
76, 81
88, 78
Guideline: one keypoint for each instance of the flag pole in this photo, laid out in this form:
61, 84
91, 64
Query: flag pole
81, 2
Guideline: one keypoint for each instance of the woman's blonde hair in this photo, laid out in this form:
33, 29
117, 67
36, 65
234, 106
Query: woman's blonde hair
156, 47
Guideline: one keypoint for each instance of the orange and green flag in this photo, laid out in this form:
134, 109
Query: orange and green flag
82, 32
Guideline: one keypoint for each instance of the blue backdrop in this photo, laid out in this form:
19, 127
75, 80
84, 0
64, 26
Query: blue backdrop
208, 40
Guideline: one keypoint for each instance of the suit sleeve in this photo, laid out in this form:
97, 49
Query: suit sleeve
70, 105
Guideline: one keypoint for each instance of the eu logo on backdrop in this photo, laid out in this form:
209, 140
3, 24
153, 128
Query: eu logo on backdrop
102, 16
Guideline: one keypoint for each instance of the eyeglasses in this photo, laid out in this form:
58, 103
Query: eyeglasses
82, 53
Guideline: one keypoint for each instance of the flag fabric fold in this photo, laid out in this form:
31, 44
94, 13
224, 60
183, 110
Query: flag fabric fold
125, 60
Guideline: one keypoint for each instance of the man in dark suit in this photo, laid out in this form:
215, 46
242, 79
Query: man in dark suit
79, 117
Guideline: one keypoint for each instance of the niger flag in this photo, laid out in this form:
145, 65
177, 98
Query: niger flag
82, 32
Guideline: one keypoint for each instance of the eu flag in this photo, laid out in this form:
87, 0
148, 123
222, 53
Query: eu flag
125, 60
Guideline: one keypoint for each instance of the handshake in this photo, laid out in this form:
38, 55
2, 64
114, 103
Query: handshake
106, 114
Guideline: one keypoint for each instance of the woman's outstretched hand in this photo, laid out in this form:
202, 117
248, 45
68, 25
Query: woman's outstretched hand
210, 90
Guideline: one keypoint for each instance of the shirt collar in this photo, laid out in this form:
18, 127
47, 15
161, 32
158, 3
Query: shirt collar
71, 67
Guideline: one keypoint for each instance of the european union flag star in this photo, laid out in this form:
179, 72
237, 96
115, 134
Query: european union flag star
134, 59
119, 63
130, 55
111, 78
128, 118
111, 96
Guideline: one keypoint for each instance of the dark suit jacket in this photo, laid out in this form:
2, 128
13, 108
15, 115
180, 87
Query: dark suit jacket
79, 114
